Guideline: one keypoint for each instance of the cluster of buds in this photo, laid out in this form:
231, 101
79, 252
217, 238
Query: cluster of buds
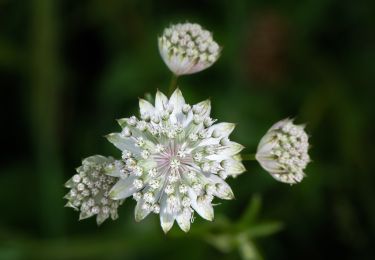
283, 151
89, 189
188, 48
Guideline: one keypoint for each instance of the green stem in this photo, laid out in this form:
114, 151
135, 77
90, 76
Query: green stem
45, 112
173, 84
248, 157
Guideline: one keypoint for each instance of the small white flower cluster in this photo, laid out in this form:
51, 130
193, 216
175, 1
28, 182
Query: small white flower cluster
283, 151
89, 190
188, 48
177, 159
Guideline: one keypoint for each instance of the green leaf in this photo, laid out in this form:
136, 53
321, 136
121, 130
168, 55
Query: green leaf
264, 229
251, 212
224, 243
247, 249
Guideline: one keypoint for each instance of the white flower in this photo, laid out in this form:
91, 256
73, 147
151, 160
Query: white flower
283, 151
180, 174
188, 48
89, 188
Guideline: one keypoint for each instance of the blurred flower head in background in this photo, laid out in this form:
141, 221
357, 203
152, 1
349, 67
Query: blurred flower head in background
188, 48
283, 151
175, 160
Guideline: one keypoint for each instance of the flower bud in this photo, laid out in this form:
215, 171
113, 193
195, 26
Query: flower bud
188, 48
283, 152
89, 189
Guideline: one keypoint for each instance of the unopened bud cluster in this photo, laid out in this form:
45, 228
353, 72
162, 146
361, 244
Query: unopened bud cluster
283, 151
188, 48
89, 190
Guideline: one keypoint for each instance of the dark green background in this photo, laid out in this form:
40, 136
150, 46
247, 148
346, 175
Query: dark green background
69, 68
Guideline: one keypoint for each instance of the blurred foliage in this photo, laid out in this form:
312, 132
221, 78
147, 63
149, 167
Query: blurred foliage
69, 68
227, 236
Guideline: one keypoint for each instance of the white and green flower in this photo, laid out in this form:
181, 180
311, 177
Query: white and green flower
177, 159
188, 48
283, 151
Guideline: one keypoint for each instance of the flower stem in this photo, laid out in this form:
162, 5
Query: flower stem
248, 157
172, 84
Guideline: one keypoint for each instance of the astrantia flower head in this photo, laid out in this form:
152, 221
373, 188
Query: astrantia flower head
283, 151
177, 159
188, 48
89, 189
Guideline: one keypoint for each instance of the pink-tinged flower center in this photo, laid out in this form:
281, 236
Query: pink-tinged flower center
173, 157
175, 163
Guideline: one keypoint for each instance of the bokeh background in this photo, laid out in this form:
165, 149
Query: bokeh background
69, 68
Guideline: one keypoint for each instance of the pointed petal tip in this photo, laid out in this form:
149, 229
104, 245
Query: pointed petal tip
185, 229
137, 217
207, 101
112, 195
158, 91
166, 228
231, 196
108, 135
69, 205
121, 121
210, 218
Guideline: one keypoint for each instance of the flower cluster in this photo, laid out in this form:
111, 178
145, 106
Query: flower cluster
177, 159
283, 151
188, 48
89, 189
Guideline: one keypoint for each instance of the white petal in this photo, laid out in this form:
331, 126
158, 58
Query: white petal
209, 141
227, 151
270, 165
84, 215
100, 218
183, 219
224, 192
234, 167
187, 119
163, 51
206, 107
221, 130
122, 122
140, 213
147, 164
123, 143
166, 218
280, 124
180, 65
202, 207
161, 101
200, 66
113, 171
96, 159
145, 107
69, 184
266, 143
123, 188
177, 101
231, 149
